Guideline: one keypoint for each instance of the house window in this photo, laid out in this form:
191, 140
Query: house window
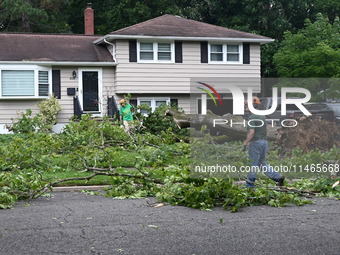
24, 83
43, 83
146, 51
164, 52
152, 103
156, 52
225, 53
216, 52
17, 83
233, 53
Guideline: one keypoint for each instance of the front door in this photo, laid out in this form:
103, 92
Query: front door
90, 91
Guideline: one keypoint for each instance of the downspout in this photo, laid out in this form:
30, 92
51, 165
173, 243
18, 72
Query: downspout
113, 49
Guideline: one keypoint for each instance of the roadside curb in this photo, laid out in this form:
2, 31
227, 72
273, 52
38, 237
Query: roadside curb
79, 188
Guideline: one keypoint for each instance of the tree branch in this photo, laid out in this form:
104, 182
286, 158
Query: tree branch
40, 191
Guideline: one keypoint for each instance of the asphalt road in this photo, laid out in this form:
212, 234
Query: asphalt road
76, 223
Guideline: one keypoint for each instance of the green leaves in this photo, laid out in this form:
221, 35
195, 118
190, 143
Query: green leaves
7, 200
33, 16
49, 109
312, 51
158, 123
41, 122
124, 187
324, 187
17, 185
26, 123
211, 192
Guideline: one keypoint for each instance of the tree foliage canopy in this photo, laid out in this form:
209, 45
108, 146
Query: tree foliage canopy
34, 16
312, 52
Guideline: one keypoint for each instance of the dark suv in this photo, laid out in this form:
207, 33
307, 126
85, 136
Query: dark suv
327, 111
336, 109
323, 110
291, 110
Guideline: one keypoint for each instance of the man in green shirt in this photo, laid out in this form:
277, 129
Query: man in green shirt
125, 115
258, 147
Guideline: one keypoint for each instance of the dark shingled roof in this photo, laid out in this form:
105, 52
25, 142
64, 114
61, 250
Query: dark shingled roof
169, 25
51, 47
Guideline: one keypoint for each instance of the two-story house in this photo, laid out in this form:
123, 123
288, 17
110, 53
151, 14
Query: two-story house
155, 61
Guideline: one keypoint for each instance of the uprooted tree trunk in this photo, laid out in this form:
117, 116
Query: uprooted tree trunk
234, 127
309, 134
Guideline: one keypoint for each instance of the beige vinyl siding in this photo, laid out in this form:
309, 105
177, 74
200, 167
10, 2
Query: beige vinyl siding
10, 108
66, 102
183, 102
108, 87
175, 77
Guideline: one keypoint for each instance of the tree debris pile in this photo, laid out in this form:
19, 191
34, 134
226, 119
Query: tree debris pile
310, 134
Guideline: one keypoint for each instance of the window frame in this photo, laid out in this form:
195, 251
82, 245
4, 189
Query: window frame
36, 70
153, 101
216, 52
155, 52
225, 53
80, 71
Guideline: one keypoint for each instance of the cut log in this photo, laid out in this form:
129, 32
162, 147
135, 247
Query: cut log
228, 125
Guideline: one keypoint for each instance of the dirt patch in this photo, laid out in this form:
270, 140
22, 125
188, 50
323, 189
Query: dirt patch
310, 134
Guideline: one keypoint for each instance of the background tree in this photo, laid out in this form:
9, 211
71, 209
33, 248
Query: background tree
331, 8
313, 52
270, 18
33, 16
111, 15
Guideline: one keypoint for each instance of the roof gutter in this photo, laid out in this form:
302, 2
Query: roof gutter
182, 38
57, 63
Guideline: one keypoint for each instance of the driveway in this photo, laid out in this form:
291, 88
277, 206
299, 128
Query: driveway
77, 223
